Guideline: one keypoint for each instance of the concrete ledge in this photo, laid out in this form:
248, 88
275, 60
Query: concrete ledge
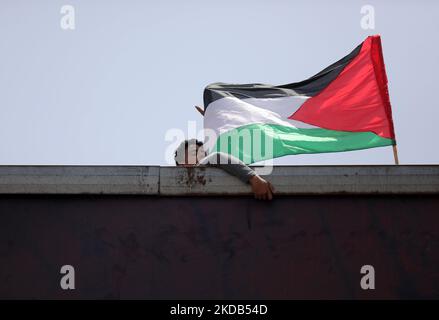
306, 180
79, 179
177, 181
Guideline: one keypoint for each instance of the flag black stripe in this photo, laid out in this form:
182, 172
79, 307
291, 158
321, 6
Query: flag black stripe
309, 87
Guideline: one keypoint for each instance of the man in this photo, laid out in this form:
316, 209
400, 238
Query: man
191, 153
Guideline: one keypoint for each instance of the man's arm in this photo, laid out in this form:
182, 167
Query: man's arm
261, 188
229, 164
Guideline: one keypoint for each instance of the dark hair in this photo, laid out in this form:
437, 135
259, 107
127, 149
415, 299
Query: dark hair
186, 145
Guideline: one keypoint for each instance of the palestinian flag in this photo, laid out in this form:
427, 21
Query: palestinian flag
342, 108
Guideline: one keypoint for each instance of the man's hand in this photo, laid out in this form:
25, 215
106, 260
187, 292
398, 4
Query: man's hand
262, 189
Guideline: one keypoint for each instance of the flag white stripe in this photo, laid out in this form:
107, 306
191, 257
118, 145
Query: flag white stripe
228, 113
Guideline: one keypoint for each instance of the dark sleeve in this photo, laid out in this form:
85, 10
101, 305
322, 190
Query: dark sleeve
230, 164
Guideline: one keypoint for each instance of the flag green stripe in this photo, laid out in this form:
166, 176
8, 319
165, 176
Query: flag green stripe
290, 140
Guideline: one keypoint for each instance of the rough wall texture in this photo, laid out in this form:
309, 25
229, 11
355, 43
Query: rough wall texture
219, 247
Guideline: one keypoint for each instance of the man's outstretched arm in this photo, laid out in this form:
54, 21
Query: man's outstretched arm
261, 188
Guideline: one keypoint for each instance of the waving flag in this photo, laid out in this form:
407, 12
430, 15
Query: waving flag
342, 108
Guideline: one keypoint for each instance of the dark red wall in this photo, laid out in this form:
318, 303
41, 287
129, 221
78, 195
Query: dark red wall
157, 247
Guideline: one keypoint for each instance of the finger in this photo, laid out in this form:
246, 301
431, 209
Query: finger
271, 187
270, 195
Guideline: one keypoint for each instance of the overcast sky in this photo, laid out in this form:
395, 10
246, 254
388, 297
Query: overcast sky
108, 91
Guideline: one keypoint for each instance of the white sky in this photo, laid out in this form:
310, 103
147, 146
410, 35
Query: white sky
107, 92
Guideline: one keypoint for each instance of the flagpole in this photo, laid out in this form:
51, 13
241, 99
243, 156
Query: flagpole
395, 154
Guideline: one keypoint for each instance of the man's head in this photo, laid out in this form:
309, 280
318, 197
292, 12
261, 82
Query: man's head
189, 153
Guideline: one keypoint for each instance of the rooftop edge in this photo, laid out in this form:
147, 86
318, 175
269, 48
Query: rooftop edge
209, 181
